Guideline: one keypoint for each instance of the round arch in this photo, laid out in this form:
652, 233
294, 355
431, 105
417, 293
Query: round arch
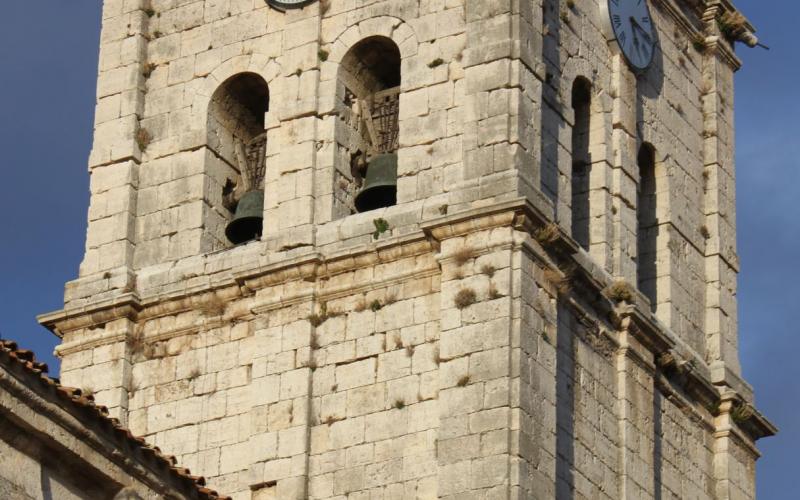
268, 70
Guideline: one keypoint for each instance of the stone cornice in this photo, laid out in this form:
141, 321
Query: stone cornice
708, 14
673, 356
675, 11
692, 372
125, 305
478, 219
740, 420
716, 44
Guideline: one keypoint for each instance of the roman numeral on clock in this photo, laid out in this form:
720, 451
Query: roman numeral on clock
631, 24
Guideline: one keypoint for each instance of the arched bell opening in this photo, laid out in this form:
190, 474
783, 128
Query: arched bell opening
238, 141
647, 219
367, 130
581, 161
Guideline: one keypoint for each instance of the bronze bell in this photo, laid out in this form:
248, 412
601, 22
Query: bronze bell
380, 184
248, 219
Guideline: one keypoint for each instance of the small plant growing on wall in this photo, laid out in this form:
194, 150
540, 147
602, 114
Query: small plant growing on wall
699, 43
436, 63
547, 235
712, 407
214, 306
381, 226
315, 319
322, 316
731, 24
361, 305
463, 255
330, 420
620, 291
465, 298
565, 17
742, 413
562, 284
143, 138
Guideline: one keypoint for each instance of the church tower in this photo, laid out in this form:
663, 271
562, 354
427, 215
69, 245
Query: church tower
462, 249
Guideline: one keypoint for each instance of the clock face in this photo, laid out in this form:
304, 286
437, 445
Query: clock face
633, 29
289, 4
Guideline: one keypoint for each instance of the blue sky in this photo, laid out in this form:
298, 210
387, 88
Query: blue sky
48, 58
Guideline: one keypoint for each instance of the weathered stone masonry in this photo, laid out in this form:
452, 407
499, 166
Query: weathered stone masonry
474, 349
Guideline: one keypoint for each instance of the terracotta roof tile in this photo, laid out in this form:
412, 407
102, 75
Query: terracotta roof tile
11, 355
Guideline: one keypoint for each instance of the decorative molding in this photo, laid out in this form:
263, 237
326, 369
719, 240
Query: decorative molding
517, 214
125, 305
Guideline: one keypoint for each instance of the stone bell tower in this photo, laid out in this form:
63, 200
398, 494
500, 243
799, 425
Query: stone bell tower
419, 248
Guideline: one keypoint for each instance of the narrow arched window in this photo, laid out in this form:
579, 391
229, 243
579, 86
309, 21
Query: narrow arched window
236, 167
647, 233
367, 130
581, 161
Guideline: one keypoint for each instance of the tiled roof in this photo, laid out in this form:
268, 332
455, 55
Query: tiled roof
84, 408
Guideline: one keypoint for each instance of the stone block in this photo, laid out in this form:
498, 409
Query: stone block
294, 383
292, 441
394, 364
347, 432
356, 374
366, 399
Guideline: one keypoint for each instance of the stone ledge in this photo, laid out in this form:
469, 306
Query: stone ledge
520, 214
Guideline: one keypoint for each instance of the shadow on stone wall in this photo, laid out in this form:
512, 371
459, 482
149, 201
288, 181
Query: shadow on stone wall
565, 406
551, 120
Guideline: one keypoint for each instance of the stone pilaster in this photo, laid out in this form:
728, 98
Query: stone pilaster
635, 392
719, 201
625, 175
116, 153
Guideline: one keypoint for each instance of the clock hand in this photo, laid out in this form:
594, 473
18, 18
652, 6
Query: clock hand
646, 35
633, 31
644, 32
636, 44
